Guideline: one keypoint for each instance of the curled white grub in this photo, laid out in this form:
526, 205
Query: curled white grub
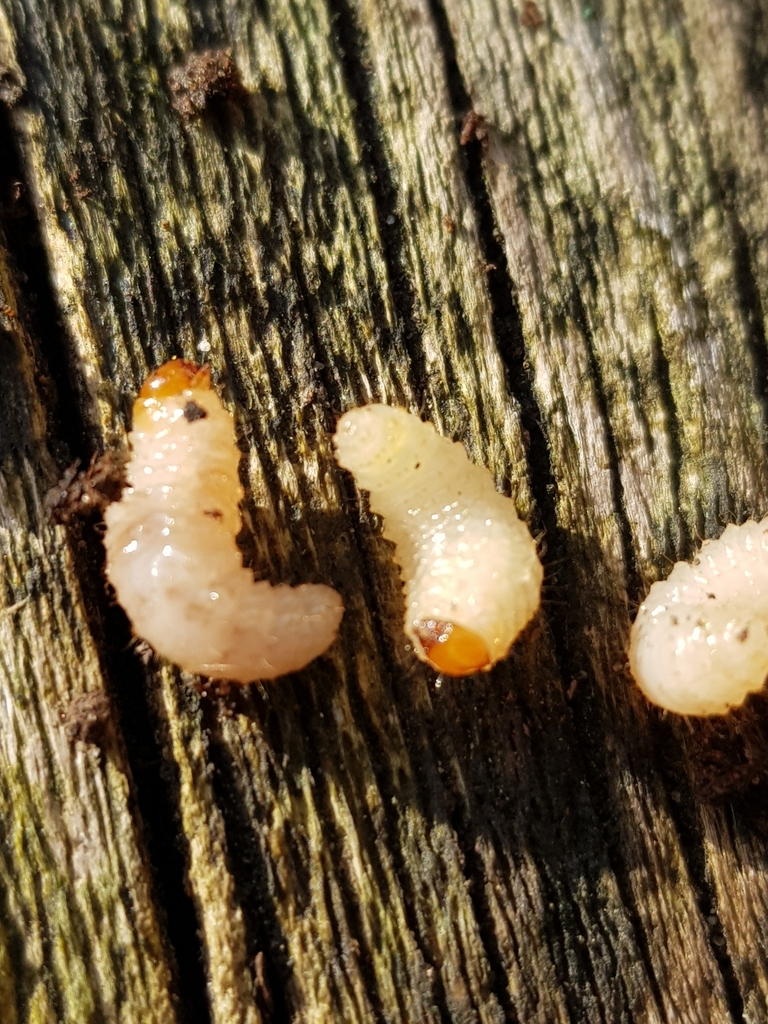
171, 551
471, 572
699, 643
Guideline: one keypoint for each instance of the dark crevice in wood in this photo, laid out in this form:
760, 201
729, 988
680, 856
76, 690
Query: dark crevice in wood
755, 47
56, 997
568, 933
15, 943
748, 296
458, 730
155, 782
390, 788
431, 756
366, 836
476, 878
680, 547
263, 934
350, 47
319, 750
396, 793
507, 324
454, 794
682, 811
509, 334
70, 436
510, 340
721, 186
67, 434
393, 791
207, 20
549, 803
475, 874
631, 570
588, 712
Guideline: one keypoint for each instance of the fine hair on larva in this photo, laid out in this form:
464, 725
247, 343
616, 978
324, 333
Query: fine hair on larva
699, 643
171, 551
469, 564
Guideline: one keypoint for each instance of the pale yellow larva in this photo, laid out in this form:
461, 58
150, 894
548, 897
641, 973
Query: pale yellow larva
171, 551
699, 643
471, 572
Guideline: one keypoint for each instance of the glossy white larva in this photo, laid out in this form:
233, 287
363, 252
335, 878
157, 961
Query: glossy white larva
699, 643
471, 572
171, 552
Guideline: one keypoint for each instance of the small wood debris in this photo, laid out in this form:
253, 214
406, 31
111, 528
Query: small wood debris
729, 753
203, 79
12, 84
83, 492
80, 190
530, 16
474, 128
217, 689
263, 995
87, 717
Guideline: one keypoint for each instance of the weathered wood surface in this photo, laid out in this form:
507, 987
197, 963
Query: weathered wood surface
578, 297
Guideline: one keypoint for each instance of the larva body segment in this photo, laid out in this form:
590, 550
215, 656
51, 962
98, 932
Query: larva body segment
171, 551
471, 572
699, 643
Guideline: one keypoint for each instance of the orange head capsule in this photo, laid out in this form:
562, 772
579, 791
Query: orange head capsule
169, 380
452, 649
173, 377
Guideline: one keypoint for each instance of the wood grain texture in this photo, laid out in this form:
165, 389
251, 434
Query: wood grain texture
79, 934
579, 298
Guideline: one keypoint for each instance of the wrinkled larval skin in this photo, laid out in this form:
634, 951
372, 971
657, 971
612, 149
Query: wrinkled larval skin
699, 643
471, 572
171, 551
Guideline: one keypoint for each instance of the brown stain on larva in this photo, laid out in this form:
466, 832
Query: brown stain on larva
193, 411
